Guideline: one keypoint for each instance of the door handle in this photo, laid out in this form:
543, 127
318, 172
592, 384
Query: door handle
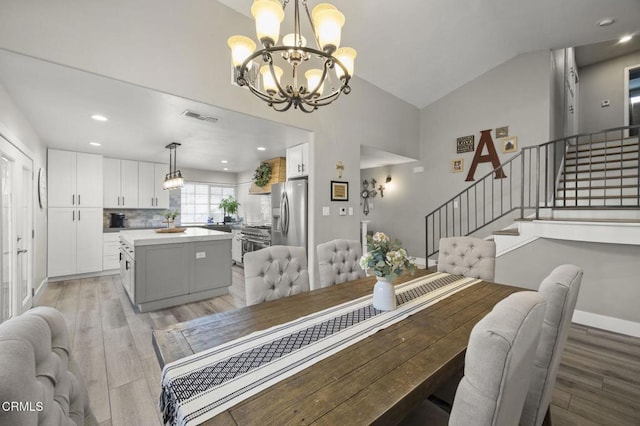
73, 199
78, 214
78, 199
156, 201
118, 200
120, 256
126, 265
73, 217
123, 200
21, 251
152, 201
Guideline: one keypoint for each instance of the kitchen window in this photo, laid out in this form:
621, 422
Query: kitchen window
201, 201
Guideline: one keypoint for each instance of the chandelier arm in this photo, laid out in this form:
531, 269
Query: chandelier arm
314, 93
313, 28
285, 108
323, 101
281, 91
303, 109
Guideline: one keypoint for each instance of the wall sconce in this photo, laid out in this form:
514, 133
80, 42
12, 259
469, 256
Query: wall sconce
382, 188
339, 169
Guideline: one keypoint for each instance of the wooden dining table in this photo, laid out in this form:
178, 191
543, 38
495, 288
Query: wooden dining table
378, 380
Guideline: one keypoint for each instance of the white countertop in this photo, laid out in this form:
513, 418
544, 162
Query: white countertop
147, 237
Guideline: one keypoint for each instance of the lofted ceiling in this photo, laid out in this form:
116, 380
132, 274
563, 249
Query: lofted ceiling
421, 50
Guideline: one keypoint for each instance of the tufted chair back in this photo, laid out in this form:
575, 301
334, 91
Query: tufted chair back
37, 373
338, 261
471, 257
498, 364
275, 272
560, 290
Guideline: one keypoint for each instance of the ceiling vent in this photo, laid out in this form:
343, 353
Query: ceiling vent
199, 116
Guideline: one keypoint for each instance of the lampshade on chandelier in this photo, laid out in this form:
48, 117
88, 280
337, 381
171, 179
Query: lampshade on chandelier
173, 179
327, 68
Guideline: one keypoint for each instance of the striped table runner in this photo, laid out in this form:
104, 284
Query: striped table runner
198, 387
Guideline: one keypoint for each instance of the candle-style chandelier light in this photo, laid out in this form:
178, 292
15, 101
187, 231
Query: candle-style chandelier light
327, 68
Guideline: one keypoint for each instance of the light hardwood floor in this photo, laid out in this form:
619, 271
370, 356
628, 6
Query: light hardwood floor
598, 382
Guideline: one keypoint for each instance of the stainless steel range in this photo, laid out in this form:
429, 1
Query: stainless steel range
255, 238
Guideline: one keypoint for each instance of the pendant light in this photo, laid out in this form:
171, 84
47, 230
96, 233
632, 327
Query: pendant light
173, 179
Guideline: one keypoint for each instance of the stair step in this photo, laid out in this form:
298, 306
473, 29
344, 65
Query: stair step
607, 152
572, 163
512, 232
595, 203
584, 147
628, 140
597, 183
587, 178
598, 187
601, 197
606, 169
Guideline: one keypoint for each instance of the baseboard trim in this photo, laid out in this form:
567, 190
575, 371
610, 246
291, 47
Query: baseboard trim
39, 291
603, 322
87, 275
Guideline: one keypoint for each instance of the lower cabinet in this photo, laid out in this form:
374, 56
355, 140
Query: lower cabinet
236, 246
164, 275
74, 241
110, 251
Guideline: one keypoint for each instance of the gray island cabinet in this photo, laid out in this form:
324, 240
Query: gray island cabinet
159, 270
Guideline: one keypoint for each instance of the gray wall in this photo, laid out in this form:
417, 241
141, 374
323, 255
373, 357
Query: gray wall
19, 129
610, 282
600, 81
182, 50
514, 94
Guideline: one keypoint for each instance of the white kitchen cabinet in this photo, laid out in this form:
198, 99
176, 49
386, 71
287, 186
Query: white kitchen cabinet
75, 179
74, 240
236, 246
120, 183
298, 161
150, 193
110, 251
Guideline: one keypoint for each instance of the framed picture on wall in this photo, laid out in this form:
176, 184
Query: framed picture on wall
339, 191
457, 165
510, 144
464, 144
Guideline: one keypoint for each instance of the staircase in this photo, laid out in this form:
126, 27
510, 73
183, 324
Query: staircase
581, 177
600, 174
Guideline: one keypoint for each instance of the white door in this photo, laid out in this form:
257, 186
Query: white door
146, 185
111, 185
16, 225
129, 183
61, 244
162, 195
89, 240
89, 180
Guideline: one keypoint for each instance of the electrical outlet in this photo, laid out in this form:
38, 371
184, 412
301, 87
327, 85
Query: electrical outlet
455, 204
326, 211
343, 211
201, 254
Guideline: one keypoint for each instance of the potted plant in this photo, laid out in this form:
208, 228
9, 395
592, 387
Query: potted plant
230, 206
170, 216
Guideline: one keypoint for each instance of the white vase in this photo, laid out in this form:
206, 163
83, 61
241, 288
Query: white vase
384, 295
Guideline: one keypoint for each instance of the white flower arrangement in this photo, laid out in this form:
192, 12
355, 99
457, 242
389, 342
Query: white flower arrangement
386, 258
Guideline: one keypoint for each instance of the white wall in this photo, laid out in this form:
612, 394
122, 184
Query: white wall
600, 81
514, 94
180, 48
15, 127
610, 282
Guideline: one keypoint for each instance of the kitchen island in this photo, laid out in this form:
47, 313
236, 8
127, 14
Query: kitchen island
159, 270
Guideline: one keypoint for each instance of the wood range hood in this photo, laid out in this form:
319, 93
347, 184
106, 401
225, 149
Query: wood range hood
278, 174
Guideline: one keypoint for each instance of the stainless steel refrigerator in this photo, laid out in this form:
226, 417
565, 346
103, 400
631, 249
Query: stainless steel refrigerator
289, 213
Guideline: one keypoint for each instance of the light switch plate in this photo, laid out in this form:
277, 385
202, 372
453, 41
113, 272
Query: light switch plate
326, 211
201, 254
350, 211
343, 211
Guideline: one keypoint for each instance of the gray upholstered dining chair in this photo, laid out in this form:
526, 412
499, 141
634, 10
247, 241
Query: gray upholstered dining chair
38, 372
468, 256
498, 367
338, 261
275, 272
560, 290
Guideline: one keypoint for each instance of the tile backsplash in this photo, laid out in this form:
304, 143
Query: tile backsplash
136, 218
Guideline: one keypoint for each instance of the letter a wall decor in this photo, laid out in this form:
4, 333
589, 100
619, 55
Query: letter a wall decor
490, 157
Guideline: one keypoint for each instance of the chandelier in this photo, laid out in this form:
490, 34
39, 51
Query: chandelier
327, 68
173, 179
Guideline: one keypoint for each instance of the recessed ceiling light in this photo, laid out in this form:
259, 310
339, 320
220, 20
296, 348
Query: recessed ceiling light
625, 39
605, 22
224, 161
95, 143
225, 169
99, 117
262, 148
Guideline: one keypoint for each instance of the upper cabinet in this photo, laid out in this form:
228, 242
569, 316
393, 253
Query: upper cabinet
298, 161
120, 183
150, 192
75, 179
